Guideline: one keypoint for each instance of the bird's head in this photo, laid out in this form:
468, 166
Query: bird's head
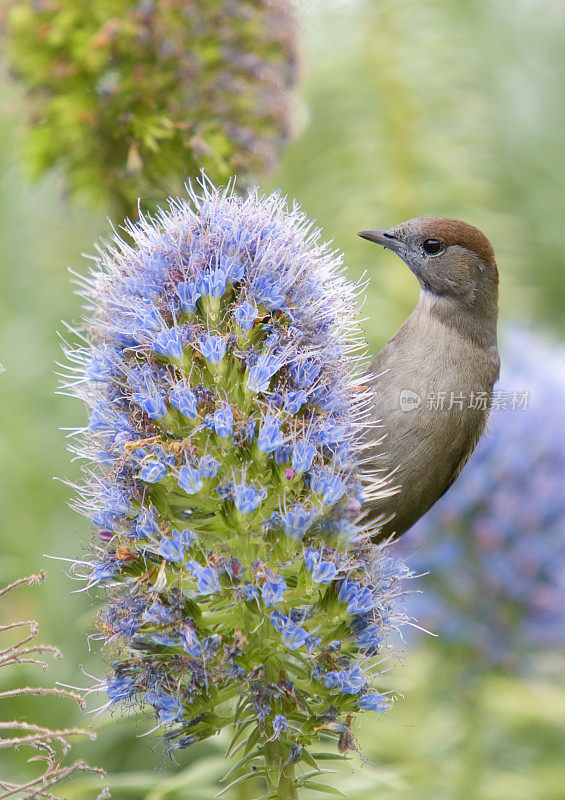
450, 258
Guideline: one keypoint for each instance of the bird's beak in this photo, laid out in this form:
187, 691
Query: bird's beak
386, 238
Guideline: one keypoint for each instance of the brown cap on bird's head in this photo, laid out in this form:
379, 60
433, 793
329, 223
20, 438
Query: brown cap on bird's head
456, 232
450, 258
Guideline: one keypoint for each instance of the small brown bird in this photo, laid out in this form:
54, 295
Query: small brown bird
434, 378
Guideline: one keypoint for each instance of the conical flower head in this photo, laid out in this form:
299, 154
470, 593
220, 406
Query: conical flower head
226, 411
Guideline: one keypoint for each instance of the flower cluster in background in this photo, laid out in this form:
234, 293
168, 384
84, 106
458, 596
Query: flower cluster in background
132, 98
222, 371
495, 545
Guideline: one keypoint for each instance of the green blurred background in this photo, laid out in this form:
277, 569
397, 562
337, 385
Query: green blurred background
405, 109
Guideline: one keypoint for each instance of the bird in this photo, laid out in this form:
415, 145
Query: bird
431, 385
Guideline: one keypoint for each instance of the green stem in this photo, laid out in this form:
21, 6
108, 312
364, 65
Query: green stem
468, 787
283, 786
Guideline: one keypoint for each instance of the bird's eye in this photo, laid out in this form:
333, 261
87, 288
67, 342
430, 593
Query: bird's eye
432, 246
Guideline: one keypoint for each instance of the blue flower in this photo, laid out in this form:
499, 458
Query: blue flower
104, 570
373, 701
208, 466
347, 681
223, 421
245, 315
172, 548
190, 641
272, 590
324, 572
245, 547
153, 471
213, 283
247, 498
270, 436
305, 373
189, 479
302, 456
280, 725
294, 401
168, 343
330, 486
297, 521
169, 707
293, 635
145, 524
189, 295
184, 400
120, 688
269, 293
359, 599
234, 268
212, 347
207, 578
153, 405
262, 371
158, 613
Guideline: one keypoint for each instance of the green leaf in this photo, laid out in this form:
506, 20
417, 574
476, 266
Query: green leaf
259, 772
320, 787
237, 734
309, 759
242, 762
253, 739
